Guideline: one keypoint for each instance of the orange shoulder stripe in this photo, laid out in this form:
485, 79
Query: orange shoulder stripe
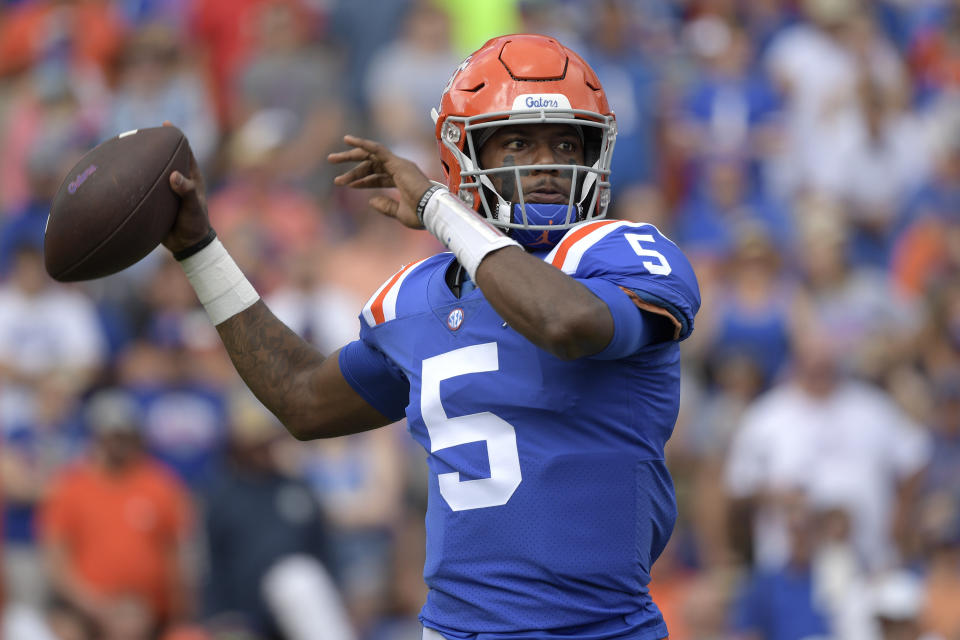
568, 241
377, 307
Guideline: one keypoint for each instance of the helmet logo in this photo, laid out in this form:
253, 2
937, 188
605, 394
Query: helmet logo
541, 101
455, 319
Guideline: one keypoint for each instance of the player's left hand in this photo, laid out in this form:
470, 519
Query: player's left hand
379, 168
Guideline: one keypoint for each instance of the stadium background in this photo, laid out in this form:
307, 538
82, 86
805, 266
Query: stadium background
805, 154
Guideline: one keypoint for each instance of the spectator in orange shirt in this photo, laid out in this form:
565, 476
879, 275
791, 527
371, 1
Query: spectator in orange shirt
113, 529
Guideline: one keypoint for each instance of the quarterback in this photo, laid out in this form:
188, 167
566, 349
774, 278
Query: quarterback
537, 362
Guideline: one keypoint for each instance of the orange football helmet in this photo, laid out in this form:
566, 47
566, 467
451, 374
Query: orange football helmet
519, 79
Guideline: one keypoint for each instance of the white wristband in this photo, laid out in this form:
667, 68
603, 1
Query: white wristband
461, 230
222, 288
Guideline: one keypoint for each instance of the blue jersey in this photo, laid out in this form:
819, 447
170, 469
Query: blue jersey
549, 499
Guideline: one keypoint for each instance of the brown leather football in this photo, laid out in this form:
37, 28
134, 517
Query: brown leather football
116, 205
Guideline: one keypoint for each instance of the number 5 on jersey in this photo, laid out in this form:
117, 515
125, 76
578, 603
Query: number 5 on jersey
447, 432
661, 267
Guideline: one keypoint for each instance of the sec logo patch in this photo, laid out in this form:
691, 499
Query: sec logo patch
455, 319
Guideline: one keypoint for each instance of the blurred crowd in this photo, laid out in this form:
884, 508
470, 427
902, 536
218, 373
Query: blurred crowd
804, 153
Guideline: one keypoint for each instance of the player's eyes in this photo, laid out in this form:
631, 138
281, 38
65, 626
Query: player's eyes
515, 144
567, 146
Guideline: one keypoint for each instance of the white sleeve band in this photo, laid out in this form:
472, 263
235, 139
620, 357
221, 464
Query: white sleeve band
461, 230
222, 288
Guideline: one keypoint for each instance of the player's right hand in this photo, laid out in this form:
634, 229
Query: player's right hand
379, 168
192, 223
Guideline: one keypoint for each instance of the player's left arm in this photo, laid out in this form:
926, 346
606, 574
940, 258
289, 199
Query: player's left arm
548, 307
557, 312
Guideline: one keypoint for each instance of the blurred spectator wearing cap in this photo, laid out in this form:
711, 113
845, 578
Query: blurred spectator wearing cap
822, 430
266, 540
115, 528
155, 85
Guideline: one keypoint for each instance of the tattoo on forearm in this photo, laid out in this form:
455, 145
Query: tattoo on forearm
271, 359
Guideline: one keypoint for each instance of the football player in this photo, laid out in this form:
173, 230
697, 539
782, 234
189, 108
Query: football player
537, 362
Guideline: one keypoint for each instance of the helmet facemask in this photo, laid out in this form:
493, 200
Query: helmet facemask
534, 225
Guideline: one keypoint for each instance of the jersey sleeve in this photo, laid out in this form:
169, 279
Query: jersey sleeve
642, 263
633, 327
378, 381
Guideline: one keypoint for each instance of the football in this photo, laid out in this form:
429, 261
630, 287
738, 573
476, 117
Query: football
116, 205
